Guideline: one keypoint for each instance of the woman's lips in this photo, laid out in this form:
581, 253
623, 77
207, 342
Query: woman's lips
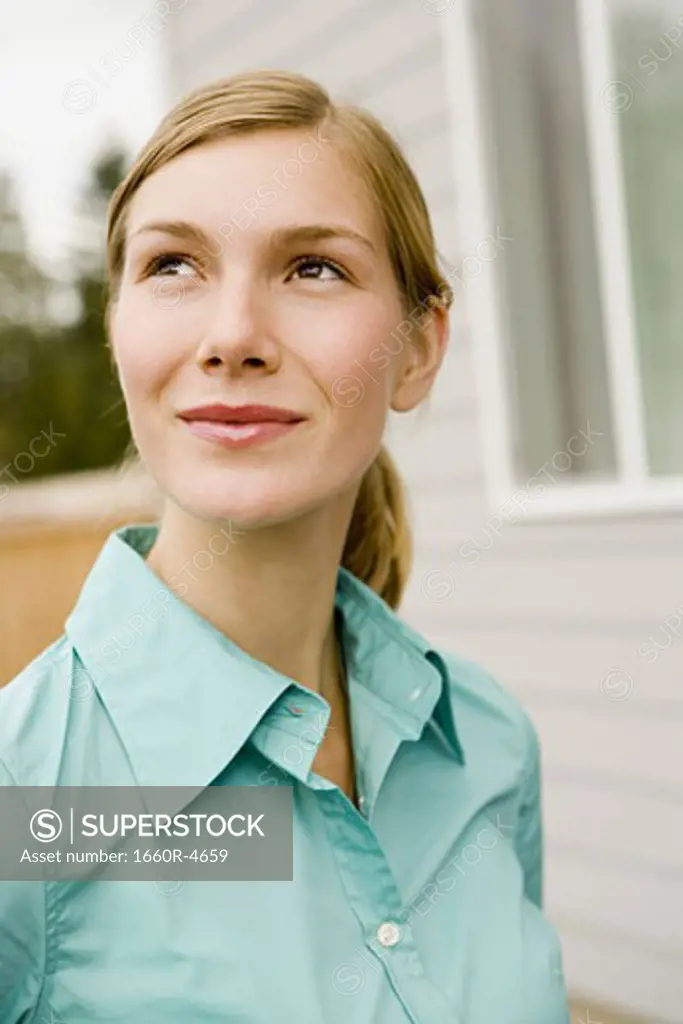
240, 435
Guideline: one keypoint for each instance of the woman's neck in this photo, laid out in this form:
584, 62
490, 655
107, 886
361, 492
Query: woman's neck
271, 591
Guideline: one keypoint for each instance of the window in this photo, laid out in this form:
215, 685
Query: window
568, 124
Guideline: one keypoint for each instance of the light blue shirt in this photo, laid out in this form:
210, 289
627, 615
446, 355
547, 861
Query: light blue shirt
423, 907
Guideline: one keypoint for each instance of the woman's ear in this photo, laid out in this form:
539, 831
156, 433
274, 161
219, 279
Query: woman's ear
421, 359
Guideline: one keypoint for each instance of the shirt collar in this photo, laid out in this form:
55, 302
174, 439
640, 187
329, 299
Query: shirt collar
185, 699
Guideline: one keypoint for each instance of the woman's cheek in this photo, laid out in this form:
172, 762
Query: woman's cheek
360, 403
364, 353
147, 343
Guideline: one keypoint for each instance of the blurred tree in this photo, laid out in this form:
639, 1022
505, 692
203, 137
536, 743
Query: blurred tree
23, 287
59, 377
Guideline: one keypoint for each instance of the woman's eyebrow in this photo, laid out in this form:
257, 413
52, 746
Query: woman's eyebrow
320, 232
181, 228
279, 237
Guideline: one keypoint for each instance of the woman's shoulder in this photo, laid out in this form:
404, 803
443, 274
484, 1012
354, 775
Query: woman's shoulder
490, 706
33, 713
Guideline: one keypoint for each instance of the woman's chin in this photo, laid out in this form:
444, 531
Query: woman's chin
252, 510
256, 496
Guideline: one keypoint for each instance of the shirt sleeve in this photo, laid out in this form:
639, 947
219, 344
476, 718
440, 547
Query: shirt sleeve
529, 833
22, 941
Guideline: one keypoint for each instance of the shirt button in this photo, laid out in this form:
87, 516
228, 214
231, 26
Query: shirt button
416, 693
361, 801
294, 709
388, 933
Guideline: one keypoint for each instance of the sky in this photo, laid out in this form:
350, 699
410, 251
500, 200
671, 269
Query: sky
73, 76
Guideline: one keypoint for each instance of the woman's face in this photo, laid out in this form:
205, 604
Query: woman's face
273, 288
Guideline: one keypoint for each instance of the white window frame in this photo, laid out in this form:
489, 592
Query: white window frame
634, 491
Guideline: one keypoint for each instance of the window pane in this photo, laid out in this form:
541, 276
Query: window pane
542, 194
648, 53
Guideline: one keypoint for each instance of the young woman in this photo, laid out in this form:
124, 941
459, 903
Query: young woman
266, 245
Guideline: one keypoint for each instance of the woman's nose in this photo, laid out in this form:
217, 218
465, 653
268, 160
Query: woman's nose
238, 335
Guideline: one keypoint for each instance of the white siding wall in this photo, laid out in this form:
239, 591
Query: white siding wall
549, 608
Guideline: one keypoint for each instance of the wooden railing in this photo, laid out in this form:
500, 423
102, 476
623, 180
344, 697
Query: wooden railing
51, 531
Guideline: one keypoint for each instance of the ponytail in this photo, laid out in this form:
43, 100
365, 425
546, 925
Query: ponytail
378, 547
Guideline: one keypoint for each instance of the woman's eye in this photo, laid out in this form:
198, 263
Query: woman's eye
168, 264
314, 267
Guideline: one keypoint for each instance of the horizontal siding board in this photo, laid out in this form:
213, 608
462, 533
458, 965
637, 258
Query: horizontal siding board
434, 121
641, 589
446, 414
395, 63
442, 206
200, 27
632, 747
608, 896
409, 80
664, 702
646, 538
432, 613
578, 673
602, 829
443, 451
208, 40
610, 779
469, 511
428, 610
346, 48
345, 45
627, 534
630, 975
254, 33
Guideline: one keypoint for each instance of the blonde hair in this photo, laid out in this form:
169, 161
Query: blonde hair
378, 547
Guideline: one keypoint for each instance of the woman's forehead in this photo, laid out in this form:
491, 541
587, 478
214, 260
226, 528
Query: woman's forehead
273, 175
